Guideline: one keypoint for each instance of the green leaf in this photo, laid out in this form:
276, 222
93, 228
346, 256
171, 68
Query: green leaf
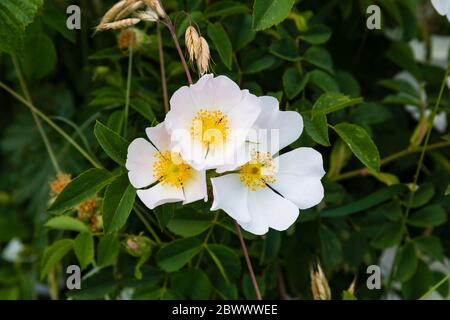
144, 108
108, 250
422, 195
192, 283
317, 128
240, 31
226, 260
83, 187
189, 223
117, 203
319, 57
84, 248
372, 200
407, 262
400, 85
114, 145
323, 81
431, 246
430, 216
330, 247
15, 16
334, 101
317, 34
347, 295
225, 8
294, 83
53, 254
267, 13
67, 223
360, 143
221, 42
285, 49
39, 56
390, 234
401, 54
173, 256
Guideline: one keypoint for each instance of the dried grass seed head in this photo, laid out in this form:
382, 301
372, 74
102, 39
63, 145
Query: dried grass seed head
202, 56
191, 39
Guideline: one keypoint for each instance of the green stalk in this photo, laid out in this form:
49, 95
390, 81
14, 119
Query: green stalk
37, 121
51, 123
424, 149
127, 96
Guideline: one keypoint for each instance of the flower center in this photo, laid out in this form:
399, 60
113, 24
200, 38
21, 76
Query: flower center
259, 172
210, 127
170, 169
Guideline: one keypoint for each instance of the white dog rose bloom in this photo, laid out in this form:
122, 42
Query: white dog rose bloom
442, 7
161, 175
268, 191
209, 121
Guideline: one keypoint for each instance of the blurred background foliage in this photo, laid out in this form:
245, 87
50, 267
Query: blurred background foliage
296, 52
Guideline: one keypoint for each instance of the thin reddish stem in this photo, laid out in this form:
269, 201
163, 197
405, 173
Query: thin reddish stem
177, 45
249, 263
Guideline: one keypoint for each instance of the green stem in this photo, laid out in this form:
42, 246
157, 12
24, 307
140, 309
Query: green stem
424, 149
435, 287
208, 235
127, 96
147, 225
51, 124
391, 158
37, 121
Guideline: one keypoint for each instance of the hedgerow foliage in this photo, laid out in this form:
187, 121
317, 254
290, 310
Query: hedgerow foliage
383, 205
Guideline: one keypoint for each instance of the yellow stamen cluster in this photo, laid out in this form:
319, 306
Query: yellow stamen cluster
210, 127
259, 172
61, 181
170, 169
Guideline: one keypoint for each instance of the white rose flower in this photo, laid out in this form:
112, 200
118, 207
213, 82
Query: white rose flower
442, 7
268, 191
161, 175
209, 121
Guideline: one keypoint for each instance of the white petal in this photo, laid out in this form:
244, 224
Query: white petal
440, 122
255, 226
160, 194
267, 206
227, 94
203, 92
441, 6
181, 100
159, 136
304, 192
298, 177
230, 195
195, 188
303, 162
140, 159
276, 129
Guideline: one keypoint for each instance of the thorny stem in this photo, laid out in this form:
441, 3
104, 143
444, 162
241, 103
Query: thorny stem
393, 157
127, 96
249, 263
51, 123
162, 68
41, 130
169, 25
